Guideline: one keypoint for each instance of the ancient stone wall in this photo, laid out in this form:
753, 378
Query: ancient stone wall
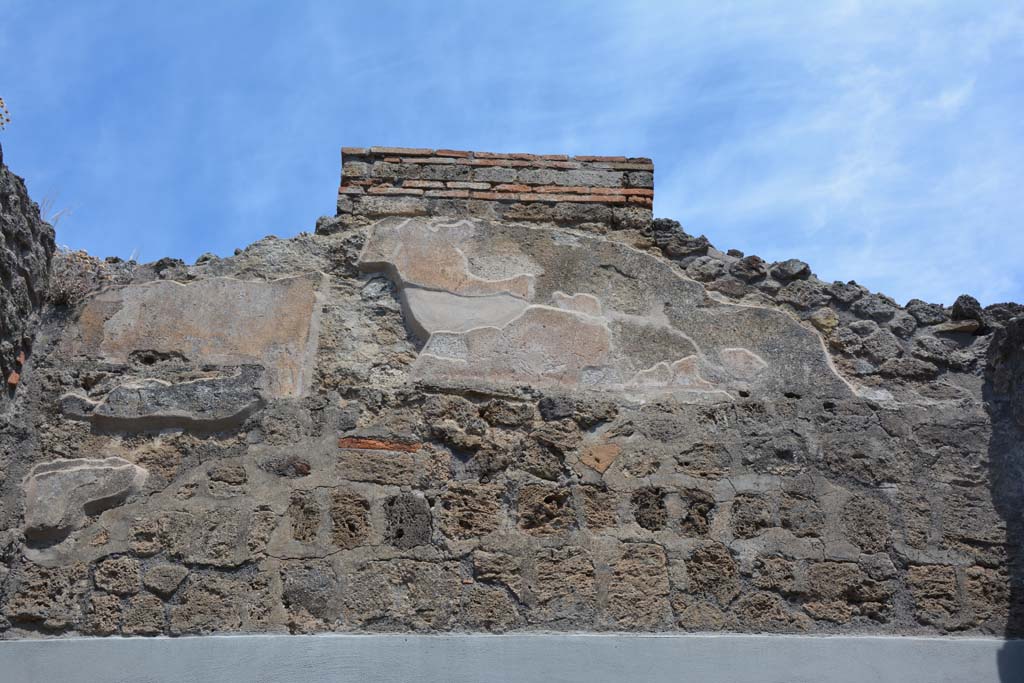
457, 420
602, 192
26, 247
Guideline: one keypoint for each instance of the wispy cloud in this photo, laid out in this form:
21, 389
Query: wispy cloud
879, 141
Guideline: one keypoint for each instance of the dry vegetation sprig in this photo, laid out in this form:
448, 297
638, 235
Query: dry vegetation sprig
5, 115
74, 275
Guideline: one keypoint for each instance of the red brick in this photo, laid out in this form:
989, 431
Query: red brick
448, 194
576, 198
512, 188
559, 189
570, 165
520, 156
21, 357
429, 160
368, 444
592, 158
402, 151
508, 163
629, 166
493, 195
453, 153
461, 185
13, 379
350, 189
395, 190
642, 201
355, 151
425, 184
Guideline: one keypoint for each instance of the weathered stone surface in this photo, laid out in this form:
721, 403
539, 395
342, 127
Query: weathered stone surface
934, 590
144, 616
580, 311
409, 521
28, 245
118, 575
403, 594
649, 508
313, 587
545, 509
564, 589
350, 525
470, 510
48, 597
60, 495
712, 572
164, 579
220, 321
638, 590
204, 405
810, 457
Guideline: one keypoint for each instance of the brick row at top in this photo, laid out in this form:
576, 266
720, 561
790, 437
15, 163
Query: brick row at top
381, 181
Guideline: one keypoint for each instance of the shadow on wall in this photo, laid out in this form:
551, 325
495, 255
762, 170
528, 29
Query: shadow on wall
1004, 397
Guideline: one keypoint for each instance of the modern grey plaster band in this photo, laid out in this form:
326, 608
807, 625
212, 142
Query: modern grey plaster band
537, 657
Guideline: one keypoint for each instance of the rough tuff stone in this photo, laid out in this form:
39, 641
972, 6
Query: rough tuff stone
491, 609
404, 593
49, 597
408, 521
164, 579
638, 590
499, 569
966, 307
925, 313
350, 524
144, 616
312, 586
25, 264
60, 495
751, 515
103, 614
866, 523
599, 507
768, 612
565, 588
934, 591
545, 509
118, 575
712, 572
790, 270
208, 603
649, 508
749, 268
470, 510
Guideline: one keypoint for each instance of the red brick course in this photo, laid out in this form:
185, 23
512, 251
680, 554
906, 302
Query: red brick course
418, 178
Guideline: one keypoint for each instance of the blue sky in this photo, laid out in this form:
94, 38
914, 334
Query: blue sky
879, 141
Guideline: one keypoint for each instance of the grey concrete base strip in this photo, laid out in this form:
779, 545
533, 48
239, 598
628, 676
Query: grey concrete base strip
552, 658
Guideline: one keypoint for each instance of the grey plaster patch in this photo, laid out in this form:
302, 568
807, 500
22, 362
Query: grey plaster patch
203, 405
219, 321
534, 657
573, 310
60, 495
